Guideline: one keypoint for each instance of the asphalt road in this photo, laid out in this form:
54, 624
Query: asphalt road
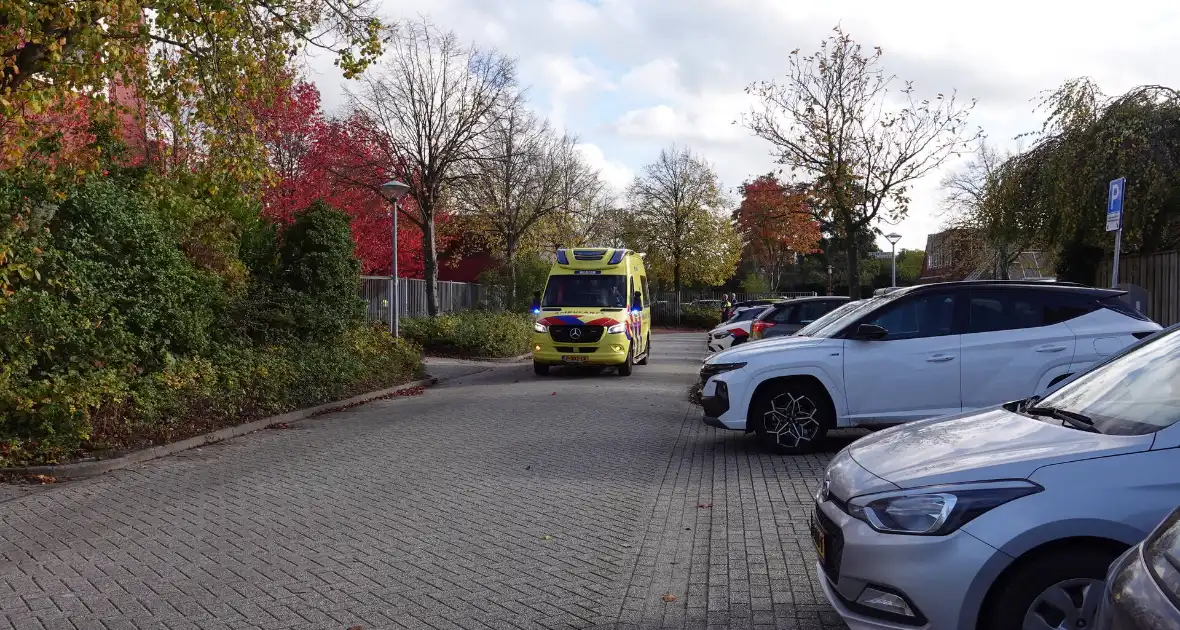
495, 500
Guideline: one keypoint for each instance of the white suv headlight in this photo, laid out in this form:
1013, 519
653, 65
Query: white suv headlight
937, 510
539, 327
616, 329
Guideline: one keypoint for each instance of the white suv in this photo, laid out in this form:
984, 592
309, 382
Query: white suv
918, 352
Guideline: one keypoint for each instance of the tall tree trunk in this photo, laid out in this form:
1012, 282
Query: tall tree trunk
511, 241
676, 275
430, 266
853, 268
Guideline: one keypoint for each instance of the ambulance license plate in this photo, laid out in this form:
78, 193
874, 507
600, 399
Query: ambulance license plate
573, 358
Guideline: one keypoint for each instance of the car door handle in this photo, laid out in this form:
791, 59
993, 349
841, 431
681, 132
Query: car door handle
940, 358
1049, 348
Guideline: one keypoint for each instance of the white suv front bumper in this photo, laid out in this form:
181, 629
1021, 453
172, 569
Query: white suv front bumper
725, 400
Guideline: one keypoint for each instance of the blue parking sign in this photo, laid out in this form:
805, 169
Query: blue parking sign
1114, 204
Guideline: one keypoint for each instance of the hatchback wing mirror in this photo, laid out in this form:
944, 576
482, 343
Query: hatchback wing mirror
871, 332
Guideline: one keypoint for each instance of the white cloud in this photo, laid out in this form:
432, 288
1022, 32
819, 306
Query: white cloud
573, 13
569, 79
614, 173
658, 76
632, 76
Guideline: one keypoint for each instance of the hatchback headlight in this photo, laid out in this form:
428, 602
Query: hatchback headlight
937, 510
616, 329
1161, 554
539, 327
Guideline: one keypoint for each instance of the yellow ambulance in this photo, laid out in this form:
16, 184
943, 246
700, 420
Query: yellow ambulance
594, 311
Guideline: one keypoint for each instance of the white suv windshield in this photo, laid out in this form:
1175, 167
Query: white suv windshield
1135, 394
832, 323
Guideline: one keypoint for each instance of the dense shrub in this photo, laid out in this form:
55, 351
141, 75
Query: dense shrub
198, 395
133, 311
705, 318
320, 272
472, 334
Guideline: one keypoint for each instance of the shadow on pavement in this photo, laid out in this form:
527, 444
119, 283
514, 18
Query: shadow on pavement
751, 444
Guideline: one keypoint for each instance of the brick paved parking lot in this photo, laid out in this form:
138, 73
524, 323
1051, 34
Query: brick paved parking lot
496, 500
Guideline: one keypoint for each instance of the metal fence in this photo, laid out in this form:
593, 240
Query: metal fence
664, 304
1158, 274
452, 297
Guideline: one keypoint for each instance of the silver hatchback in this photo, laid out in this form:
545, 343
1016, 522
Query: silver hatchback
1008, 517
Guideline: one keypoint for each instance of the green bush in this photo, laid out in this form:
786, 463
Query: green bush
472, 334
704, 318
134, 312
198, 395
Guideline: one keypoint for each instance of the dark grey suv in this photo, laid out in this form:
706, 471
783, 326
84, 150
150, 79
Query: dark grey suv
786, 318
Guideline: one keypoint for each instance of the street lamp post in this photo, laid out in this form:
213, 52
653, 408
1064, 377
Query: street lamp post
395, 190
893, 238
829, 279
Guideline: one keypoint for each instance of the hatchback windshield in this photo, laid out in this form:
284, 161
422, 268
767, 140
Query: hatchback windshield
830, 324
1135, 394
586, 291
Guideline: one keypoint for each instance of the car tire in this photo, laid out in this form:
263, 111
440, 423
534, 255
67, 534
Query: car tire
628, 366
799, 416
646, 352
540, 369
1078, 573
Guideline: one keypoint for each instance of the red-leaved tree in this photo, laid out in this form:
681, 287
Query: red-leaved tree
776, 224
333, 160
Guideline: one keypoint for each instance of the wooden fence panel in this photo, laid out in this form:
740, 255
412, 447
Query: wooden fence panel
1158, 274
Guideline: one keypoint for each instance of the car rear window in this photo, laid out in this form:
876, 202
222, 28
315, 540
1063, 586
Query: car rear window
991, 310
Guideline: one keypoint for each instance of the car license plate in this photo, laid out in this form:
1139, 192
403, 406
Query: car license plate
817, 537
573, 358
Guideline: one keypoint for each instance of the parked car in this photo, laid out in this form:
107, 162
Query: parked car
1007, 517
919, 352
735, 330
1143, 585
787, 318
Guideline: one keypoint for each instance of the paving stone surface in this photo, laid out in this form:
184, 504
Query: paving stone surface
496, 500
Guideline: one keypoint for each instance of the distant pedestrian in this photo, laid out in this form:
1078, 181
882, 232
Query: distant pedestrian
726, 307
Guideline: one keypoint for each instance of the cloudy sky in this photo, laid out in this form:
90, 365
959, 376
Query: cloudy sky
629, 77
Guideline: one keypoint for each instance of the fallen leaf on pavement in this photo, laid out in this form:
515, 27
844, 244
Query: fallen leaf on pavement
668, 597
546, 537
355, 628
705, 505
279, 425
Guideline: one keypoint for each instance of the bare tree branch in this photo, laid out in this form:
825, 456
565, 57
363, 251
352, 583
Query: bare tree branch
834, 119
429, 109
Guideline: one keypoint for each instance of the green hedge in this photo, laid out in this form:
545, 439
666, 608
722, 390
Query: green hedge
472, 334
136, 310
704, 318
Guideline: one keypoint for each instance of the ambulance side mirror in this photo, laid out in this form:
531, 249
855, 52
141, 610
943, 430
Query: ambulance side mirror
637, 301
536, 302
